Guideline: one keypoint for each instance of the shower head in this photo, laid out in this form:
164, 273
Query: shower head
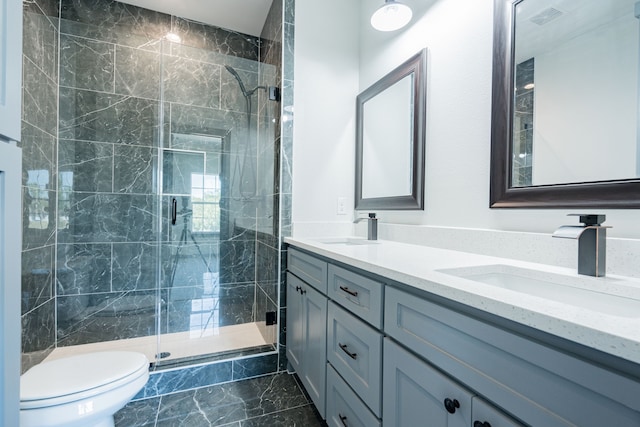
245, 92
237, 76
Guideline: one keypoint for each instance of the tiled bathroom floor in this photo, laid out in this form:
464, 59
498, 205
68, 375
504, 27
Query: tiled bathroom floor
273, 400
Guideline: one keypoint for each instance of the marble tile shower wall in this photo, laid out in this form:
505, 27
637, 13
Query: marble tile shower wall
113, 72
39, 145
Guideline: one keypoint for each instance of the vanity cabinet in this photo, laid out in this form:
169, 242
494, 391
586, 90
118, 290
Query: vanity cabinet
307, 326
399, 356
415, 391
536, 382
10, 69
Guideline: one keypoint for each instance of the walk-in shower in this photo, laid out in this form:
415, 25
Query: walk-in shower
163, 179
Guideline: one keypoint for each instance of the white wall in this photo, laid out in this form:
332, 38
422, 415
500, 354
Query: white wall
458, 35
326, 86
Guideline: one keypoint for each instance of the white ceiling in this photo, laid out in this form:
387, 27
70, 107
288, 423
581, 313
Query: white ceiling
245, 16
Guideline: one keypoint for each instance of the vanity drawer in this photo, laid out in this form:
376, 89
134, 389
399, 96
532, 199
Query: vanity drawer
540, 385
344, 407
354, 349
308, 268
358, 294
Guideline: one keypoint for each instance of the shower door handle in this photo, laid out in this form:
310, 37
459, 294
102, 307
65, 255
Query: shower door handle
174, 211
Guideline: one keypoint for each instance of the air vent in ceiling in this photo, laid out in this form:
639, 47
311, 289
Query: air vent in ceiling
546, 16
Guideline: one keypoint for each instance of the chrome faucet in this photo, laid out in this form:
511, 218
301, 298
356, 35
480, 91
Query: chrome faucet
592, 243
372, 226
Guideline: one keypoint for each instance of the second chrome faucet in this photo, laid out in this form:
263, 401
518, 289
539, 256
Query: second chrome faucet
372, 226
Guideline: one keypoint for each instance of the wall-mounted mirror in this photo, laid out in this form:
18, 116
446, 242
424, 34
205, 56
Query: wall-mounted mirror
390, 139
565, 104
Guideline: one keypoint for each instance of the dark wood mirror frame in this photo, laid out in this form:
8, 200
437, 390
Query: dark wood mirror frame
616, 194
416, 65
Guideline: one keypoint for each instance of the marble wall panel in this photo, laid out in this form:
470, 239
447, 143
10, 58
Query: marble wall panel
236, 304
135, 266
282, 342
137, 72
134, 168
93, 318
40, 41
38, 155
37, 277
100, 117
83, 269
187, 119
86, 166
237, 260
113, 21
38, 224
110, 218
216, 39
86, 64
38, 328
190, 82
267, 270
39, 95
48, 8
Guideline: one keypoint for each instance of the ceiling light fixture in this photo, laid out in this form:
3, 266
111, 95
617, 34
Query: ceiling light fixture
391, 16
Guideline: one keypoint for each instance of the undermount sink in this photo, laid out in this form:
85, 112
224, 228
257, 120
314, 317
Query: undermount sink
576, 291
348, 241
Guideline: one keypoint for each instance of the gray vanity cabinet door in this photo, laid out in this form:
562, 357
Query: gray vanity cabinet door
307, 337
485, 415
314, 371
294, 321
414, 393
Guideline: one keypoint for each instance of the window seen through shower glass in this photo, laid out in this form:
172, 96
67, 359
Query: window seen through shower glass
205, 199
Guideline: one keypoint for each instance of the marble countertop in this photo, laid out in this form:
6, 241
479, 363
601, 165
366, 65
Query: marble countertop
420, 267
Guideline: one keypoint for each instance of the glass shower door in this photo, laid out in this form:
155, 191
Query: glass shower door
208, 190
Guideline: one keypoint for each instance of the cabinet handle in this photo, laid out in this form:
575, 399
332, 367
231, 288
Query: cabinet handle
298, 288
344, 348
451, 405
343, 419
481, 424
349, 291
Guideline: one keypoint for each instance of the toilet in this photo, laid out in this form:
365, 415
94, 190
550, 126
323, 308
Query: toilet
84, 390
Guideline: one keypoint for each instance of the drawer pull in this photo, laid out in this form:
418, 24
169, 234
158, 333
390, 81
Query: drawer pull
344, 348
343, 419
349, 291
301, 290
451, 405
481, 424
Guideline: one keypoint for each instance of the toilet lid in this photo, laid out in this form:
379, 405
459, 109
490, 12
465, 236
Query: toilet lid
76, 374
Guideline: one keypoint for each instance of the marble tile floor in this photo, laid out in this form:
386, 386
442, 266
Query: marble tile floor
179, 345
272, 400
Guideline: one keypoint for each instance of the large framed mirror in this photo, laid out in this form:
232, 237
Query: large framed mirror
565, 101
390, 139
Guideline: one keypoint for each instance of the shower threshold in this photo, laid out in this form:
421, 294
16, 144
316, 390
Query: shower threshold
178, 347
